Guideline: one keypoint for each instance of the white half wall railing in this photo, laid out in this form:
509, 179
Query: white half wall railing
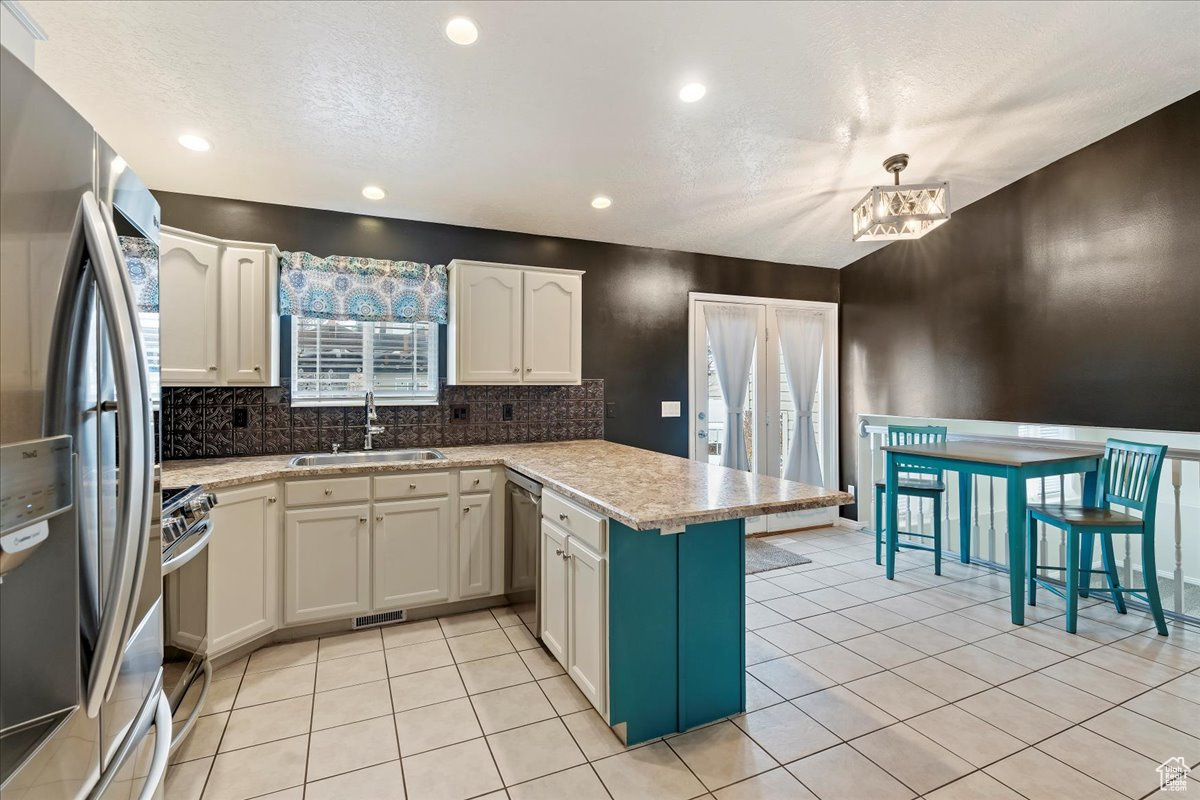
1177, 525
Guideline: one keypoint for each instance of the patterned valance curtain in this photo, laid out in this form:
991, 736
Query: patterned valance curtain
141, 261
362, 289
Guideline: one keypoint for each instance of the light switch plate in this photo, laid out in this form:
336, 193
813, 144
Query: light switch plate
670, 408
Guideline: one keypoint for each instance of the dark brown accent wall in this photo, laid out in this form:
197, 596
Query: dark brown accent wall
1071, 296
635, 298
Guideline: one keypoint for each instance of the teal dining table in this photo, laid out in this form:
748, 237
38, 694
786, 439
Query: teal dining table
1014, 462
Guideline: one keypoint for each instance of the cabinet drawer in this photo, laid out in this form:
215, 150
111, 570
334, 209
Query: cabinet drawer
476, 480
412, 484
574, 519
327, 490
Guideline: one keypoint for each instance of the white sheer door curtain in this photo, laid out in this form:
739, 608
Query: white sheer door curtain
732, 331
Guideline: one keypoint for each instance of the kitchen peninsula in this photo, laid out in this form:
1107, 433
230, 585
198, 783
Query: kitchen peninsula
652, 627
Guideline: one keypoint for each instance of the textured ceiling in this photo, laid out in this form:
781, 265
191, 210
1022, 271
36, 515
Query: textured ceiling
307, 102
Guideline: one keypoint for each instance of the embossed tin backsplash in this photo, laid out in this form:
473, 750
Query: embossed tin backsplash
206, 422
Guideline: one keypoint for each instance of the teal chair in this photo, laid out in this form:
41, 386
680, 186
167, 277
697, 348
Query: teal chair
914, 481
1128, 477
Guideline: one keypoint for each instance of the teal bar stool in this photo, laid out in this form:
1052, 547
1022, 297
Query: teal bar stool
914, 481
1128, 477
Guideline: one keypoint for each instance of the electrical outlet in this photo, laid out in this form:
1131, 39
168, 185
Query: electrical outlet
241, 417
610, 410
506, 411
670, 408
460, 413
853, 490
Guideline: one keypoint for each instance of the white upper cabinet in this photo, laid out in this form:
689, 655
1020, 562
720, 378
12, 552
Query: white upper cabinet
249, 324
220, 311
189, 280
553, 309
512, 324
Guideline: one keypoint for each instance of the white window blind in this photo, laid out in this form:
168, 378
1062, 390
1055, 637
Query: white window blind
336, 361
149, 324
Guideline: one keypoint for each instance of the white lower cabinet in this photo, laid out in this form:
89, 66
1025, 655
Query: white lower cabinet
574, 598
554, 591
585, 621
475, 545
327, 563
243, 567
411, 553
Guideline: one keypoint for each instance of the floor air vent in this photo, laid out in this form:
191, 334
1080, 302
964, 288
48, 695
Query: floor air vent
378, 619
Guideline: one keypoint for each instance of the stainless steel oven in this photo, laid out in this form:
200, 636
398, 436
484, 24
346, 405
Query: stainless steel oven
187, 674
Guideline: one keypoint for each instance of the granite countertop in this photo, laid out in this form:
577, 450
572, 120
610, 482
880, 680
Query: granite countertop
640, 488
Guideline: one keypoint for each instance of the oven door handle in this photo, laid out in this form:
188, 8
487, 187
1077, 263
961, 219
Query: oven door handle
200, 541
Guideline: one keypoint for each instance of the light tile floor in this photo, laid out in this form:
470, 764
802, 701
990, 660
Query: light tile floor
857, 687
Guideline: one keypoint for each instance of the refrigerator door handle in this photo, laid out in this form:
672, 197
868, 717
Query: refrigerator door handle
135, 458
162, 748
206, 675
155, 713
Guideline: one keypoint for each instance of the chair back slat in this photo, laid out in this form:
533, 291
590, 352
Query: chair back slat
916, 434
1130, 473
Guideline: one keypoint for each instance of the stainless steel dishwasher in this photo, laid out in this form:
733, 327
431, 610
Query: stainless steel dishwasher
522, 533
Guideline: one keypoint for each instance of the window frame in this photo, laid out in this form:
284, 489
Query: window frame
367, 344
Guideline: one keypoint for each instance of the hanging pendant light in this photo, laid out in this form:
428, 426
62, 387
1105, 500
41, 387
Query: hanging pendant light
900, 212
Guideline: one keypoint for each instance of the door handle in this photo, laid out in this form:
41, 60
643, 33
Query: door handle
93, 232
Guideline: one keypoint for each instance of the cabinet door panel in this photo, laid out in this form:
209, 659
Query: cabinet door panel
554, 592
553, 327
586, 629
487, 324
475, 543
327, 560
246, 321
189, 281
412, 552
243, 567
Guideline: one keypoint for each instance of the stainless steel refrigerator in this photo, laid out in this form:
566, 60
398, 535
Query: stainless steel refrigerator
82, 712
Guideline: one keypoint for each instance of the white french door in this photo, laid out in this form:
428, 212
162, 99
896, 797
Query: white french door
769, 415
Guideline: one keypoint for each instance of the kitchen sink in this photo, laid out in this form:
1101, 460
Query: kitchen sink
368, 457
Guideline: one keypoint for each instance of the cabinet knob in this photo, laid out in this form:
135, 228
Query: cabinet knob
379, 518
529, 369
362, 519
467, 510
412, 486
258, 367
328, 492
558, 552
516, 369
562, 517
270, 499
212, 367
476, 482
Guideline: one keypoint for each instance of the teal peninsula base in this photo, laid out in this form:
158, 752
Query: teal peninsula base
676, 626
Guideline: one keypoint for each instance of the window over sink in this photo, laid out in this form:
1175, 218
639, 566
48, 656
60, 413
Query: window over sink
335, 362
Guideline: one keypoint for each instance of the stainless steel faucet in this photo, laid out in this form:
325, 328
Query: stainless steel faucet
370, 429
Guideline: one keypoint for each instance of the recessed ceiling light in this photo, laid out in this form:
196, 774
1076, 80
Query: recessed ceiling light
692, 92
374, 193
600, 201
462, 30
196, 143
